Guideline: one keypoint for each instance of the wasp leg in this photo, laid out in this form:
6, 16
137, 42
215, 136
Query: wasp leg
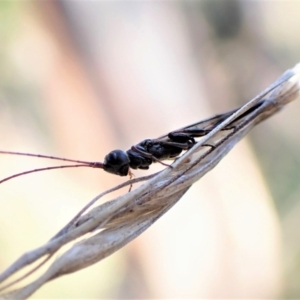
149, 155
130, 177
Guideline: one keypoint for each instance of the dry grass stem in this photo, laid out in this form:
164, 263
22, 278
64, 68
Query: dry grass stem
108, 227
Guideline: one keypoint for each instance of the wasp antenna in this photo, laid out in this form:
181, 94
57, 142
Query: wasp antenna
46, 156
91, 165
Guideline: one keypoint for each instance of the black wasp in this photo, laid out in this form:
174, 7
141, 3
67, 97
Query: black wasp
143, 154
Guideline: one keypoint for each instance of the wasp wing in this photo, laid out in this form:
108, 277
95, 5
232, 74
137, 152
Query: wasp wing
205, 126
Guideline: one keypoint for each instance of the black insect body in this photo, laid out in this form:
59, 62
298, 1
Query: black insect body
143, 154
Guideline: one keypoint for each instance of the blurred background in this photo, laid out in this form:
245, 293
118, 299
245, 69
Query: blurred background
79, 79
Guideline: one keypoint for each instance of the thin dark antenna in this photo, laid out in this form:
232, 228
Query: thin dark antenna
44, 169
79, 163
46, 156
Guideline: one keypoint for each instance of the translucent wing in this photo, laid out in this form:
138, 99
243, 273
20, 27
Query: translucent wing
207, 125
